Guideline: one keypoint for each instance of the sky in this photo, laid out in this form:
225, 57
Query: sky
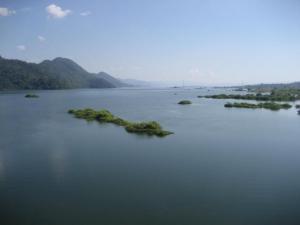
209, 42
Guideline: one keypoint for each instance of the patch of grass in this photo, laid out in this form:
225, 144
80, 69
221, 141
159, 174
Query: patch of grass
105, 116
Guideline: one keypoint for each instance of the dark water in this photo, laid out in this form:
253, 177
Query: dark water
222, 166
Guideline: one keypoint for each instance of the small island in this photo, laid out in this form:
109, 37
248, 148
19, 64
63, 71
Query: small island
267, 105
104, 116
31, 96
185, 102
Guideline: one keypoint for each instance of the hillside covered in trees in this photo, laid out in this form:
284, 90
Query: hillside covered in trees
59, 73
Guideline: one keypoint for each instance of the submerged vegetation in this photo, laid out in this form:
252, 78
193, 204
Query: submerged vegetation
267, 105
274, 95
184, 102
31, 96
105, 116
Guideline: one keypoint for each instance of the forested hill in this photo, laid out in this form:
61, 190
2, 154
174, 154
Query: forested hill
59, 73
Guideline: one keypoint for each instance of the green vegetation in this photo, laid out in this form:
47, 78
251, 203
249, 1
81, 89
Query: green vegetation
267, 105
31, 96
275, 95
59, 73
150, 128
104, 116
184, 102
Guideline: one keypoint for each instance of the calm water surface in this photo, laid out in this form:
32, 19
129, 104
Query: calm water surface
222, 166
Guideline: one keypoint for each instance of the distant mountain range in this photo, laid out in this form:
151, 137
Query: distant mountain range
63, 73
137, 83
59, 73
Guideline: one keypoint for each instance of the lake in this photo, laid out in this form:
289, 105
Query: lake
222, 166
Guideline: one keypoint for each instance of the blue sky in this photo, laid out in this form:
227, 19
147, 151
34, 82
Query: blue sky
200, 42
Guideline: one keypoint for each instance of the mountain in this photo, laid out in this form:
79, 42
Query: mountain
137, 83
59, 73
112, 80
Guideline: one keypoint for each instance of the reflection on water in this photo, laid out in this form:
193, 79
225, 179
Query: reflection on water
58, 160
2, 168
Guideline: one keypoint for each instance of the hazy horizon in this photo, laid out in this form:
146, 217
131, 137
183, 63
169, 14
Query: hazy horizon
209, 42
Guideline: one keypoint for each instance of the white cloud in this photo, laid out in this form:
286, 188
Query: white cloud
86, 13
41, 38
6, 12
21, 47
57, 12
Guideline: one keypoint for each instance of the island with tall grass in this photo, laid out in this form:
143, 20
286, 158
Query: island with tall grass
151, 128
266, 105
274, 95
